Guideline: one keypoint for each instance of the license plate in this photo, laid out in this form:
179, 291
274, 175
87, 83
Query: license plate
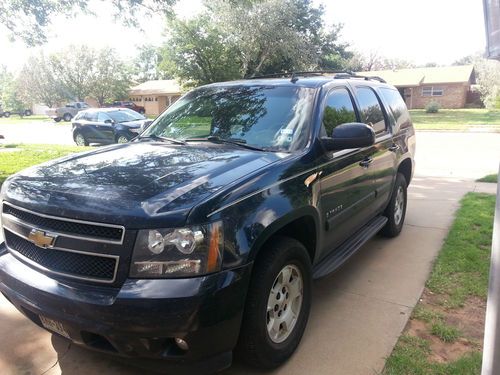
54, 326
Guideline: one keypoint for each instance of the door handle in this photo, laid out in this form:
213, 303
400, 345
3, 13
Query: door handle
365, 163
394, 148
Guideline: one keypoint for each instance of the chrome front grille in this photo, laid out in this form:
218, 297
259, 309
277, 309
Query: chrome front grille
73, 249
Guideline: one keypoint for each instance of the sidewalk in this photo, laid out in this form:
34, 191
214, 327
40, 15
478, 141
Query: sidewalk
357, 314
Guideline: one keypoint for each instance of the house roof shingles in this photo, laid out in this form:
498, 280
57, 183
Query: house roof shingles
425, 76
157, 87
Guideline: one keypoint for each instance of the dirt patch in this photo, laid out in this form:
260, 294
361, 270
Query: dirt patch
469, 319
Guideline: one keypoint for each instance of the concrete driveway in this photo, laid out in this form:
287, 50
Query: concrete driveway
357, 314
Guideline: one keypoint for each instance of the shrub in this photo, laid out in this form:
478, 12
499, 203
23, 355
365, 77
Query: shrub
432, 107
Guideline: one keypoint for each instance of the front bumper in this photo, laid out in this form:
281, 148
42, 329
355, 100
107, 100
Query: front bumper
140, 319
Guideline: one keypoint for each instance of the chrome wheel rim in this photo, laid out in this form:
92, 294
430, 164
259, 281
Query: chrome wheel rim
284, 303
122, 139
399, 206
80, 141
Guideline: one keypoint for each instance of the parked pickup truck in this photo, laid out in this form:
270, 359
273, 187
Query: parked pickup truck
67, 112
7, 113
201, 237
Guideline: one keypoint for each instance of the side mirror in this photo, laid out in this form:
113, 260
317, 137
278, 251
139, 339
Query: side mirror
350, 135
108, 121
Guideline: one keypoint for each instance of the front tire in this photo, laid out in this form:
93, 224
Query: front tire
57, 119
80, 139
120, 138
396, 209
278, 304
6, 114
67, 117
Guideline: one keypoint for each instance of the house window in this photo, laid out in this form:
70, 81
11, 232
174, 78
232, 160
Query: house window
432, 91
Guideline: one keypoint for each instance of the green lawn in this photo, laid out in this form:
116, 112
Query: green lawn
489, 178
459, 275
15, 119
14, 158
456, 119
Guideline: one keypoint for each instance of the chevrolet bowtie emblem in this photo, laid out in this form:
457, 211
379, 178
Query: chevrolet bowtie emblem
41, 238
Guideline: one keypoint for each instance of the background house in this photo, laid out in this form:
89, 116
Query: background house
450, 86
155, 96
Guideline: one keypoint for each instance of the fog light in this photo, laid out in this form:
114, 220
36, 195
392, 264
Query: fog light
183, 345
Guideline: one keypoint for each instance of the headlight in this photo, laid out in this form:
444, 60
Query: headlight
163, 253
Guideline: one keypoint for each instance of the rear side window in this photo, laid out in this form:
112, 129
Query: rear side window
91, 116
338, 110
370, 109
396, 105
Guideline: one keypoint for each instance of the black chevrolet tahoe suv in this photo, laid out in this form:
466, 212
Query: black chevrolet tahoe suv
201, 237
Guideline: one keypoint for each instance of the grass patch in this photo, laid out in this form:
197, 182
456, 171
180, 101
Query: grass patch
462, 266
24, 156
456, 119
445, 332
410, 357
460, 273
426, 315
489, 178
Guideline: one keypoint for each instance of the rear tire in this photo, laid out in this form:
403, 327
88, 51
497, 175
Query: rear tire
80, 139
28, 112
6, 114
396, 209
57, 119
278, 304
67, 117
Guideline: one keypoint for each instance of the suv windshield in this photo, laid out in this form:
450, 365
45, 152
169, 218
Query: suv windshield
274, 118
125, 115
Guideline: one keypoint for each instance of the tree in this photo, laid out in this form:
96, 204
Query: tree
276, 35
488, 79
11, 98
110, 78
28, 19
38, 82
73, 68
147, 64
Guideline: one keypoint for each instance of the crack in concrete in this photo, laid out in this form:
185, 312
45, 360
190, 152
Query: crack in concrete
425, 227
59, 357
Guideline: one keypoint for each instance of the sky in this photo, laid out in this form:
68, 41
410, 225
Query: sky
421, 31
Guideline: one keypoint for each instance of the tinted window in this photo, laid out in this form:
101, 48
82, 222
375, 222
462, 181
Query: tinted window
269, 117
370, 110
102, 117
396, 104
338, 110
91, 116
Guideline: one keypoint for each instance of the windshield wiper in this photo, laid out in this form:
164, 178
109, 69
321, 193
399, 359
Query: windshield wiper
231, 141
163, 139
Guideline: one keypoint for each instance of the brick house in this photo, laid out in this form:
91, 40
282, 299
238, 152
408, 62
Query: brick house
450, 86
155, 96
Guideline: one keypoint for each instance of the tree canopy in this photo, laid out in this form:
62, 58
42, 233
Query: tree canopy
234, 39
28, 19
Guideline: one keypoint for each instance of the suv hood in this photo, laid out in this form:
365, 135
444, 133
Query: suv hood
136, 184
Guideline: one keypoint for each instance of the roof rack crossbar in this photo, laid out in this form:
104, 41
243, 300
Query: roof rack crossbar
338, 74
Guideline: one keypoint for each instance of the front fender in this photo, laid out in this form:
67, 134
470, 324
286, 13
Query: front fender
250, 222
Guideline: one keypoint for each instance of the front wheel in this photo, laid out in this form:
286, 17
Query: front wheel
80, 139
6, 114
28, 112
278, 304
67, 117
57, 119
396, 209
120, 138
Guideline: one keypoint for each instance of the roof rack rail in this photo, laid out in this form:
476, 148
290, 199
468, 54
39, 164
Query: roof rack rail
338, 74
